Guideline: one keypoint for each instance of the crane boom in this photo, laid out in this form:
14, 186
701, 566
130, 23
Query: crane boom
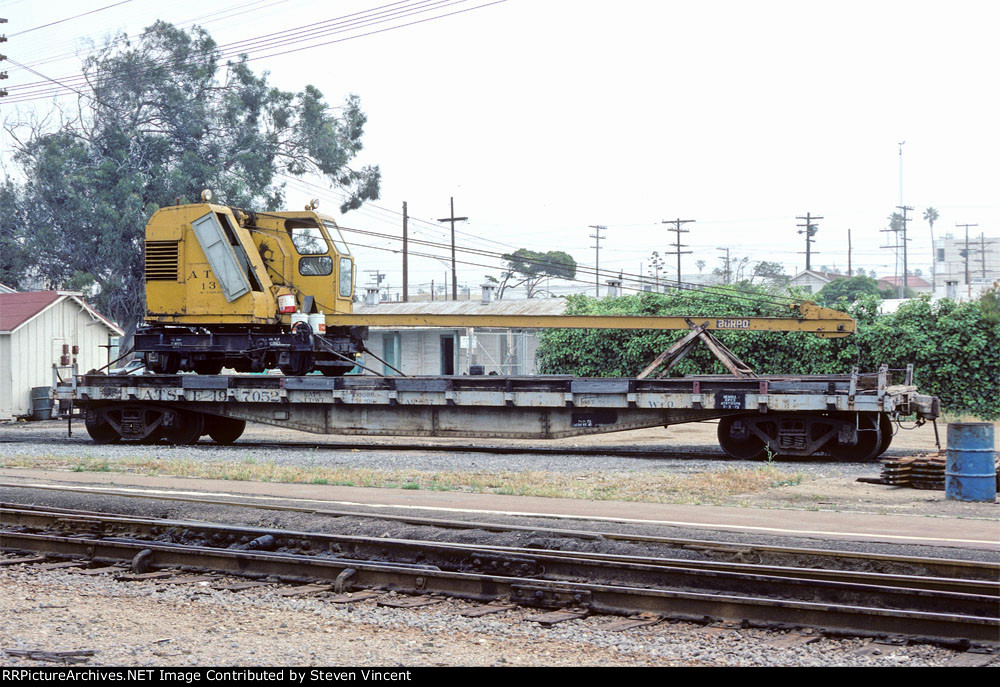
807, 317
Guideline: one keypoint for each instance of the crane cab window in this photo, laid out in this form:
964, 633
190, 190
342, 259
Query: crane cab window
338, 239
307, 238
316, 267
346, 277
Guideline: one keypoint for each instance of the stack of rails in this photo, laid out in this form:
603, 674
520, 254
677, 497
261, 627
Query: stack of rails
918, 472
897, 471
928, 473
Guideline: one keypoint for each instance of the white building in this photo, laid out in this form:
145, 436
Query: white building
36, 330
813, 280
952, 263
456, 350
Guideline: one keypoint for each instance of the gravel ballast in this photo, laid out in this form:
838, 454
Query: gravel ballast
148, 624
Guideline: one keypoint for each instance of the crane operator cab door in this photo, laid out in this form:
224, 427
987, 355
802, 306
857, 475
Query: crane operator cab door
229, 269
322, 264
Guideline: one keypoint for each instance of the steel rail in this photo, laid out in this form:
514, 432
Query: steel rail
973, 598
786, 557
602, 598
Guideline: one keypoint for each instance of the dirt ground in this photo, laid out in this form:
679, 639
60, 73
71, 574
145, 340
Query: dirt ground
826, 485
837, 490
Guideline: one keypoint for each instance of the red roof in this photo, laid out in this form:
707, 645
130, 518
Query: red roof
18, 308
912, 280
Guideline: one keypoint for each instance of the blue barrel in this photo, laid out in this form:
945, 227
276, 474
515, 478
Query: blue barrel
970, 474
41, 404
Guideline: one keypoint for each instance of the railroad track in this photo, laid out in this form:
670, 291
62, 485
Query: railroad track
779, 556
573, 583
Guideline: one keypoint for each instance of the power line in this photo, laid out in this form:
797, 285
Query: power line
279, 38
77, 16
596, 271
210, 18
774, 298
31, 91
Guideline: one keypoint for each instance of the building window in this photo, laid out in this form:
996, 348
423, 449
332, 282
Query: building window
390, 353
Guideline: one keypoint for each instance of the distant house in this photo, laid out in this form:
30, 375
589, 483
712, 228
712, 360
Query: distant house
456, 350
35, 328
918, 284
812, 280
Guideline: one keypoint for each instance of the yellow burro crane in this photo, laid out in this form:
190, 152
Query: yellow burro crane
252, 291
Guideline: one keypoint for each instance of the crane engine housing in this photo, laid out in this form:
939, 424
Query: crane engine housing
227, 287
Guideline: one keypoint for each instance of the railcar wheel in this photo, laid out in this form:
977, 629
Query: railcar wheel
869, 441
334, 371
167, 364
885, 427
301, 364
208, 367
100, 430
737, 440
184, 427
224, 430
153, 437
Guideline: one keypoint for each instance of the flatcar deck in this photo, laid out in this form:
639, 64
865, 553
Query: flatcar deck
790, 414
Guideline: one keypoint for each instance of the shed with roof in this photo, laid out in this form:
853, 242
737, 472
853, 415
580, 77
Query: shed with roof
35, 329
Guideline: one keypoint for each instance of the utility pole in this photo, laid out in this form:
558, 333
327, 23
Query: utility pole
968, 287
454, 272
810, 231
677, 243
406, 281
727, 262
3, 75
982, 253
906, 219
849, 272
894, 228
598, 228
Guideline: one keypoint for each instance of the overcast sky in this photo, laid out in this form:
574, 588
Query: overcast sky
542, 117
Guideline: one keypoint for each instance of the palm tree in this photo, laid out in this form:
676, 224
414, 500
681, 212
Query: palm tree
931, 215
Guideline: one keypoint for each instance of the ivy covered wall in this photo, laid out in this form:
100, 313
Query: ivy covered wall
955, 347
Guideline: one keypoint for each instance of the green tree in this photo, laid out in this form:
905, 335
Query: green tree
931, 216
15, 260
849, 288
533, 266
766, 272
161, 120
